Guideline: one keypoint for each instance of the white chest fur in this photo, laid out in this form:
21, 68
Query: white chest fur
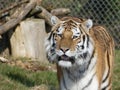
80, 78
87, 81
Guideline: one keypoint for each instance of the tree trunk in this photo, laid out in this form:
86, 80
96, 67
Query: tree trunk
28, 40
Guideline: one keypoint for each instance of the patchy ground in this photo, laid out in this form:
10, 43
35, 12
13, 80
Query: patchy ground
33, 65
29, 64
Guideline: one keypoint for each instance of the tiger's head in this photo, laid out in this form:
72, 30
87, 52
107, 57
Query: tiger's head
69, 42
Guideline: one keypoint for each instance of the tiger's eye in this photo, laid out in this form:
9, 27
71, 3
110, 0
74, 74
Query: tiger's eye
60, 35
74, 37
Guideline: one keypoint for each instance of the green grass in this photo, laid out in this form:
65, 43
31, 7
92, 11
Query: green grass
16, 78
116, 76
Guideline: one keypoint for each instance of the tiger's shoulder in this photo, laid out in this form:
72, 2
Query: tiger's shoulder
101, 36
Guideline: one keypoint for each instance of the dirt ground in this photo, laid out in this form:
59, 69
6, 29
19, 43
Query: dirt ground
32, 65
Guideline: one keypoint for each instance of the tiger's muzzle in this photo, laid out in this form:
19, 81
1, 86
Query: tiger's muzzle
66, 58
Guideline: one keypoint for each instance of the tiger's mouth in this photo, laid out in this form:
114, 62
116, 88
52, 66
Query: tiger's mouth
66, 59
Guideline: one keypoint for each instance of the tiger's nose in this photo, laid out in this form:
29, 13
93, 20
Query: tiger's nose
63, 49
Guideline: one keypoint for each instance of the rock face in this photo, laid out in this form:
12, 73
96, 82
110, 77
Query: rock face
28, 39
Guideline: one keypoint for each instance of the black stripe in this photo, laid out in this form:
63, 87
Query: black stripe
89, 82
108, 68
108, 59
50, 35
53, 45
91, 59
88, 40
80, 29
106, 76
83, 39
57, 29
106, 86
82, 46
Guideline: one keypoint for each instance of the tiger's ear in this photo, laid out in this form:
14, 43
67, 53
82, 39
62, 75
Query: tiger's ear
88, 23
54, 20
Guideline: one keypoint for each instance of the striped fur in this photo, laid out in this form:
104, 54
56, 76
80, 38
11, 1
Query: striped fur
83, 53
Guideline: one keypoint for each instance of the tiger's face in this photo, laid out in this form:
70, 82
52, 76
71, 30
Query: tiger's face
69, 42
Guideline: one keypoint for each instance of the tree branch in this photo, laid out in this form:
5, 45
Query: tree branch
13, 22
60, 11
13, 6
45, 15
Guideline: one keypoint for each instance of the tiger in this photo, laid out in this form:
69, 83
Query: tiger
83, 53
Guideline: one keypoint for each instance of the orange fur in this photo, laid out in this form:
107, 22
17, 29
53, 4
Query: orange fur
105, 49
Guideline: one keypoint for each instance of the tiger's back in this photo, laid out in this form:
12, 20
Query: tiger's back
104, 45
83, 53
